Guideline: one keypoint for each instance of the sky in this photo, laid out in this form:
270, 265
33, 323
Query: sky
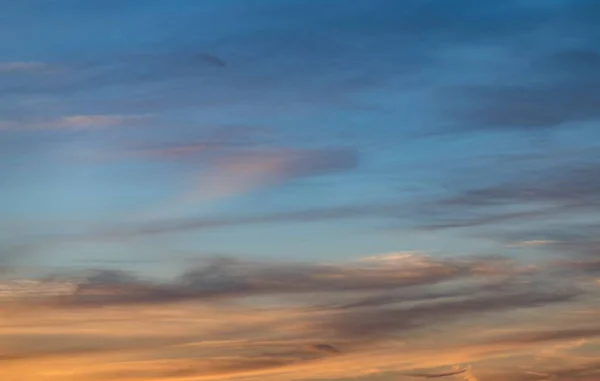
361, 190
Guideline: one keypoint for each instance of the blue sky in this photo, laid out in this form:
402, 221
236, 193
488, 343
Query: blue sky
143, 136
392, 107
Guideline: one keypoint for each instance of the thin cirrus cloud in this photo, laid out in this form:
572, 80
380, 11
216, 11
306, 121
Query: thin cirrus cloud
173, 225
243, 172
92, 120
21, 66
82, 121
532, 243
75, 122
226, 172
436, 375
321, 67
546, 194
568, 93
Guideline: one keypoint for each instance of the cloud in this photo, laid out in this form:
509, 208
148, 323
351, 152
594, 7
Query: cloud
549, 86
380, 323
586, 266
466, 219
544, 195
358, 302
436, 375
5, 125
224, 278
226, 173
173, 151
264, 330
213, 60
288, 337
541, 336
568, 186
174, 225
272, 62
325, 348
532, 243
17, 289
243, 172
21, 66
97, 120
530, 108
584, 372
512, 66
78, 121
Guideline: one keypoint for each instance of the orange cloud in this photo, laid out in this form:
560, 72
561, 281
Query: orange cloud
244, 172
228, 173
391, 314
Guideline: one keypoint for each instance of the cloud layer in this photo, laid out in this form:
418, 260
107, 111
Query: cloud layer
402, 315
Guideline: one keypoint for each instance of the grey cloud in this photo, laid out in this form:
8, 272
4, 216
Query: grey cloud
578, 267
565, 89
370, 300
124, 70
404, 296
588, 372
325, 348
300, 216
552, 86
444, 21
436, 375
325, 52
544, 194
584, 372
229, 278
550, 336
111, 277
468, 220
380, 323
579, 241
571, 64
435, 294
527, 108
306, 353
216, 61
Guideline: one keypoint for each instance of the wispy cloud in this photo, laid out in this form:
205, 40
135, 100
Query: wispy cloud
273, 321
244, 172
532, 243
93, 120
21, 66
226, 173
545, 194
82, 121
75, 122
436, 375
164, 225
